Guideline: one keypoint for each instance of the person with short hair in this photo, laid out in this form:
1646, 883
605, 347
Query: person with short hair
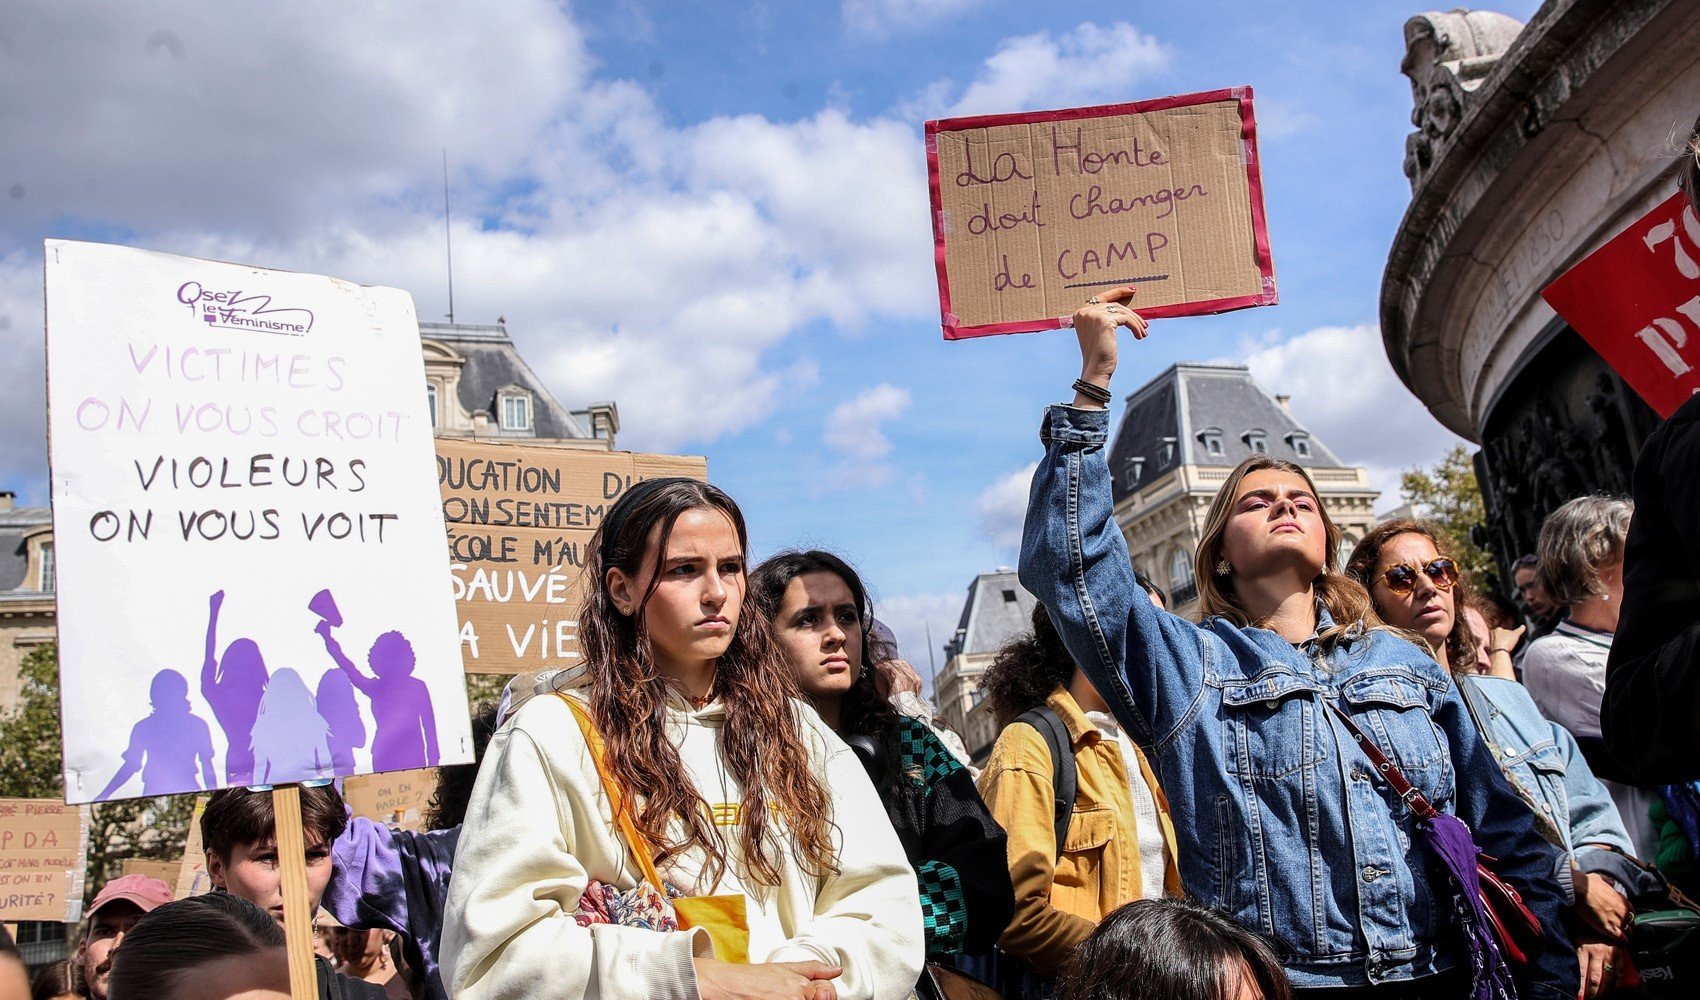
58, 981
239, 834
207, 947
1172, 949
115, 910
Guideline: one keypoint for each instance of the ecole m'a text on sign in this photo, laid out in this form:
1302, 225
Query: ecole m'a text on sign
251, 574
1035, 212
1636, 300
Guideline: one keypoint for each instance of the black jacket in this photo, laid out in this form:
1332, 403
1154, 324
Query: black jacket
1651, 713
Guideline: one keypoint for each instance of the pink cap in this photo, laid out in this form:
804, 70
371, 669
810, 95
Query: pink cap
144, 891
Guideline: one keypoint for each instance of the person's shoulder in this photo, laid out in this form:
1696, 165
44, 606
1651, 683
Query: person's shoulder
1020, 747
924, 755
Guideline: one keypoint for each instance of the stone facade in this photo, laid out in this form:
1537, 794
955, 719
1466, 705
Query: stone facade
996, 610
1533, 147
1180, 436
26, 588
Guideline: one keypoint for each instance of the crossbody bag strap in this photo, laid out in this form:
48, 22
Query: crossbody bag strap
623, 821
1389, 770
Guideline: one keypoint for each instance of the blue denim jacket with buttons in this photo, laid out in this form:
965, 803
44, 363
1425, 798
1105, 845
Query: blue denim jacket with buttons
1279, 820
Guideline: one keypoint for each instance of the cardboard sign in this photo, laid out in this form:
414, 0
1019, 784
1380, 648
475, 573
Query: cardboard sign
165, 871
44, 846
1636, 300
519, 518
252, 587
192, 878
1034, 213
397, 798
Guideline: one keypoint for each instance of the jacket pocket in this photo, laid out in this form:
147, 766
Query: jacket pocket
1395, 706
1269, 725
1080, 867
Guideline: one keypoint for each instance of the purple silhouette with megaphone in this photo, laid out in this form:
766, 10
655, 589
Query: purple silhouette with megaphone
401, 703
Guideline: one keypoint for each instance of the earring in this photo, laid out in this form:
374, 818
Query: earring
1222, 567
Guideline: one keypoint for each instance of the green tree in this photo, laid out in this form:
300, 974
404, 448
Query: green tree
30, 768
1447, 495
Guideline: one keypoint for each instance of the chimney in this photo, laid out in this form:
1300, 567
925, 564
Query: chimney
8, 499
1284, 399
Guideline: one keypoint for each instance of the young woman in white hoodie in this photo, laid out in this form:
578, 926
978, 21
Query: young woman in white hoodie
738, 788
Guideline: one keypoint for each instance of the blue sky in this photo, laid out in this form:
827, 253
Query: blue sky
714, 214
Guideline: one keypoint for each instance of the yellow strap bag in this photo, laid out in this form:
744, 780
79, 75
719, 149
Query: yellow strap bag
723, 916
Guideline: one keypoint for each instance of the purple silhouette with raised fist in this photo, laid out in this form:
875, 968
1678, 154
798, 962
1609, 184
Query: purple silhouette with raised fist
335, 701
292, 741
233, 687
406, 734
166, 745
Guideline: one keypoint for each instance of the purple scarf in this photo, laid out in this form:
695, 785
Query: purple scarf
1453, 850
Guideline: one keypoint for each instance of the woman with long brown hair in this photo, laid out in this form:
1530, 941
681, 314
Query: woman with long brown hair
1253, 717
687, 727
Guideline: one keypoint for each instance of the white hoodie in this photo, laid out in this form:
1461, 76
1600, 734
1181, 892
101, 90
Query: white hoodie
539, 826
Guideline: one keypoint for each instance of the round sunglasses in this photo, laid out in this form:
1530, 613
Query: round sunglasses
1402, 579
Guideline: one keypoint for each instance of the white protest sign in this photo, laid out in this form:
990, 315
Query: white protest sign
252, 582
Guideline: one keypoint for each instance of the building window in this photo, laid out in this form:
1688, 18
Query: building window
49, 571
1182, 586
516, 412
1347, 544
1131, 471
431, 402
1300, 442
1257, 440
1211, 438
1165, 452
1009, 597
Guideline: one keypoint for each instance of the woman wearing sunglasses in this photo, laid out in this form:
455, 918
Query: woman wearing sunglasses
1280, 818
1416, 587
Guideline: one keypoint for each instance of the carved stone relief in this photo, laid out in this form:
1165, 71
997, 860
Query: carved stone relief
1447, 56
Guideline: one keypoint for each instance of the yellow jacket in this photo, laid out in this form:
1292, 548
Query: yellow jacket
1059, 900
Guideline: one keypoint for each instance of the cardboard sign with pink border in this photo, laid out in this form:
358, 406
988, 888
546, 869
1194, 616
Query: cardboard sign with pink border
1035, 212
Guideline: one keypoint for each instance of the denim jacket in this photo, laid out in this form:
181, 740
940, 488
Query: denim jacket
1280, 820
1547, 768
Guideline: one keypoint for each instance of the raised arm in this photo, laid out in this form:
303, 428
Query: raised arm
209, 665
1147, 664
333, 647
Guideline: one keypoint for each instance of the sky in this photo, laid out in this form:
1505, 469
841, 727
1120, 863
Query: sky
714, 215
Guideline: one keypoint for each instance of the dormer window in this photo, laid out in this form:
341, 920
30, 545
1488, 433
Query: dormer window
1300, 440
431, 402
1257, 439
1211, 439
515, 409
1131, 471
1165, 452
49, 577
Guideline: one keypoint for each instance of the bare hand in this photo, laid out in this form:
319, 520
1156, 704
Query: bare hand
894, 676
1602, 962
717, 980
1601, 907
1095, 325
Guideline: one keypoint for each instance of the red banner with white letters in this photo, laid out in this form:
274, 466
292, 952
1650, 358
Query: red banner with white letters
1636, 300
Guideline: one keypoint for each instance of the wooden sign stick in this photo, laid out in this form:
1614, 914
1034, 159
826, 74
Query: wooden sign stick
292, 869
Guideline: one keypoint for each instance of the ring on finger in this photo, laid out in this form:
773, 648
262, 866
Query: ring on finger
1094, 301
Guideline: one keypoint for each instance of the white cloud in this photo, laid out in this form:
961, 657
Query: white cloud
877, 19
1002, 508
855, 430
1344, 390
1089, 65
910, 616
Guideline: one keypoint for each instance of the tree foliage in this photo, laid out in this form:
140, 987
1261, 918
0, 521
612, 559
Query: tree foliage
1448, 495
30, 768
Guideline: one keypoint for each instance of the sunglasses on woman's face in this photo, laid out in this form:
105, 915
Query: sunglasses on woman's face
1402, 579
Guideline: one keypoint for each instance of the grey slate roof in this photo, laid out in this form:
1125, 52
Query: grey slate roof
14, 555
1190, 398
997, 610
492, 363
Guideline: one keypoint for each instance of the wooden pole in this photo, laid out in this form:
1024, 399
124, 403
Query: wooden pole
292, 869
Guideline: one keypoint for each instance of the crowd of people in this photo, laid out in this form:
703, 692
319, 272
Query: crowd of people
1358, 778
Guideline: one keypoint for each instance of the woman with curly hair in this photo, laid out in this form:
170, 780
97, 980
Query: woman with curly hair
822, 620
686, 734
1119, 844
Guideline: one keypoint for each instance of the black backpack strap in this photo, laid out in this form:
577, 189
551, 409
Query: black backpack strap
1065, 780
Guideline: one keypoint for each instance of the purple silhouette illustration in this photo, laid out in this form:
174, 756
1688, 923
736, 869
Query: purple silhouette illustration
233, 686
401, 703
166, 744
335, 701
292, 741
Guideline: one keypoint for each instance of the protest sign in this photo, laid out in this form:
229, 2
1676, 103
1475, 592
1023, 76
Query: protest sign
44, 847
394, 798
165, 871
192, 878
1636, 300
252, 587
519, 518
1033, 213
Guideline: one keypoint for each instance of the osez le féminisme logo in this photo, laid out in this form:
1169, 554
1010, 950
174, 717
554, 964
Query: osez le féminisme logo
235, 309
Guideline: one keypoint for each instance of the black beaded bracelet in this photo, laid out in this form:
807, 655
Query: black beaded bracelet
1096, 393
